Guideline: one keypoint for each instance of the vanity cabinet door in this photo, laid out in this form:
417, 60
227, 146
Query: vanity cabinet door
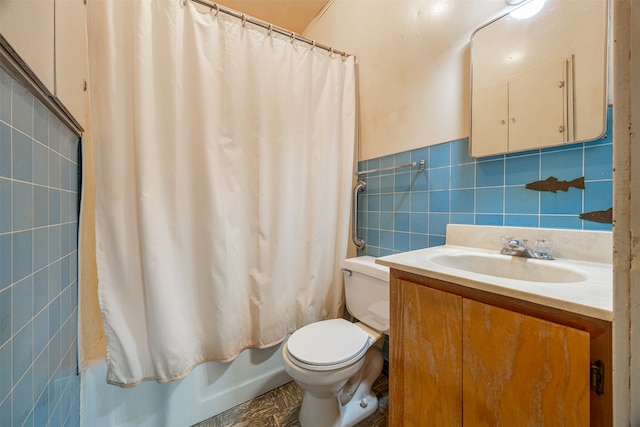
519, 370
455, 361
426, 357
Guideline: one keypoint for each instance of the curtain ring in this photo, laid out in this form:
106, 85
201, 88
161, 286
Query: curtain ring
244, 19
344, 56
292, 37
216, 8
313, 44
269, 30
330, 52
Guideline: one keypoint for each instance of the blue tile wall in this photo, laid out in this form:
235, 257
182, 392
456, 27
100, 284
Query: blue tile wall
38, 263
407, 209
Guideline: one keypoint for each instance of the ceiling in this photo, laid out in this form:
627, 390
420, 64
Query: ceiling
293, 15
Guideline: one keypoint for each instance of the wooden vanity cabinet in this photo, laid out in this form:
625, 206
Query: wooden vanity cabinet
459, 356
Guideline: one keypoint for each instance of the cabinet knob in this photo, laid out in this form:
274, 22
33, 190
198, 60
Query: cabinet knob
560, 129
560, 84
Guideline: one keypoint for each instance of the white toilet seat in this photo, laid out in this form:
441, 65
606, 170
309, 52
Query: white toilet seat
327, 345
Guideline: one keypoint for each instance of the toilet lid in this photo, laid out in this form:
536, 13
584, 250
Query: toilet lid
329, 342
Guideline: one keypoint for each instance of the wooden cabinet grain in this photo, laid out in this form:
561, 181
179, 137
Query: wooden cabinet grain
425, 357
465, 357
519, 370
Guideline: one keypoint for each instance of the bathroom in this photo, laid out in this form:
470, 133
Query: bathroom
413, 67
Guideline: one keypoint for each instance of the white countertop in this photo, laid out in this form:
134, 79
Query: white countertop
591, 297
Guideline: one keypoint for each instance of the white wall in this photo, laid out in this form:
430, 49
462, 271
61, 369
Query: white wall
414, 66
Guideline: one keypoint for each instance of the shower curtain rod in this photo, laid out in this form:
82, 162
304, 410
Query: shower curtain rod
269, 27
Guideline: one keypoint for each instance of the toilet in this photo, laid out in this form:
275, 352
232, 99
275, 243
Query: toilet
336, 361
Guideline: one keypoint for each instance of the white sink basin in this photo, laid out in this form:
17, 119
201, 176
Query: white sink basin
578, 280
508, 267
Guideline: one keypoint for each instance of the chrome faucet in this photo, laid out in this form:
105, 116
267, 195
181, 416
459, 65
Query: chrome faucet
520, 247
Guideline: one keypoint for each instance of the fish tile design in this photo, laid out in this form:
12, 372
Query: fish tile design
552, 184
603, 217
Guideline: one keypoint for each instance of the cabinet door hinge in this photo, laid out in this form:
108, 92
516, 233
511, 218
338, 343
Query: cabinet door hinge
597, 377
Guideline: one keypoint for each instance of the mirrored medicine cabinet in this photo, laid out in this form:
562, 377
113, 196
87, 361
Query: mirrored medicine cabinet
539, 81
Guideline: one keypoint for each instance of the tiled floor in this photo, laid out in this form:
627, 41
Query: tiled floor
280, 407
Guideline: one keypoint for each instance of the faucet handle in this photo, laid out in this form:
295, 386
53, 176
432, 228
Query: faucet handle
505, 240
542, 247
508, 243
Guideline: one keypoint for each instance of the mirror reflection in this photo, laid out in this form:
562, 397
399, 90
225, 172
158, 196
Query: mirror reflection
539, 77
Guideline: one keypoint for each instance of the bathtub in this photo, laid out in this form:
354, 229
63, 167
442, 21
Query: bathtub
210, 388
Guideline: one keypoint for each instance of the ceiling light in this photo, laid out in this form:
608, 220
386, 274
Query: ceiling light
528, 9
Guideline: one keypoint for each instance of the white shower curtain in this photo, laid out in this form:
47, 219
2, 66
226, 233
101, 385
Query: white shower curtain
224, 159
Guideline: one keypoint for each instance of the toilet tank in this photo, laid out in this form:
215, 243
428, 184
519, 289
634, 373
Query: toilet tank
366, 288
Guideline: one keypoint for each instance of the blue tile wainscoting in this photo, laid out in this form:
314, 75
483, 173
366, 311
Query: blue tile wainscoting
407, 209
39, 385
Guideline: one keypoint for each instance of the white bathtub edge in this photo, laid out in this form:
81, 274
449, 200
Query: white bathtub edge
211, 388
